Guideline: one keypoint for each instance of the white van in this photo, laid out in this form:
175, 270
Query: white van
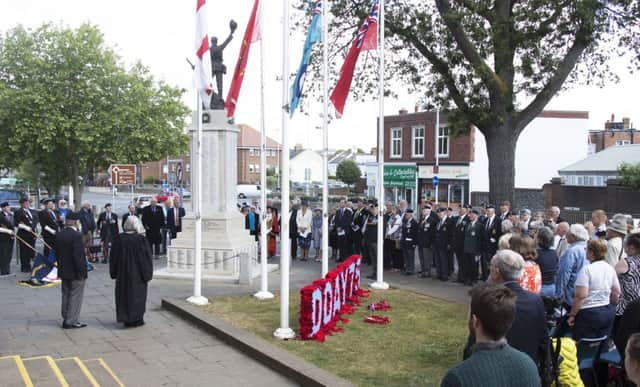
248, 191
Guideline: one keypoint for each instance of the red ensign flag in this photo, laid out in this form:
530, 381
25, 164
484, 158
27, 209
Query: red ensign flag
252, 34
203, 78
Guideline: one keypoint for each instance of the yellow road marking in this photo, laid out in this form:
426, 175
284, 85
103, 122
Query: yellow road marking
108, 369
83, 368
54, 367
23, 371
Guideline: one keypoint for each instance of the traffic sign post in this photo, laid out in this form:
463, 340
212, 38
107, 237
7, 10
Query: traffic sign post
123, 174
436, 181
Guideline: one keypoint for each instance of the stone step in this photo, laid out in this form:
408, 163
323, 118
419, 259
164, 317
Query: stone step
13, 372
76, 372
103, 374
44, 372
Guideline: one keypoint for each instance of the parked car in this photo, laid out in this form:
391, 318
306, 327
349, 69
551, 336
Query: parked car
145, 199
12, 196
249, 191
184, 193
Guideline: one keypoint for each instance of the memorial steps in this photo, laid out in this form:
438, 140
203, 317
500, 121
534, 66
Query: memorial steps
46, 371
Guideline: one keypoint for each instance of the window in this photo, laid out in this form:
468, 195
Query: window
251, 170
396, 143
251, 153
443, 141
417, 148
623, 142
307, 174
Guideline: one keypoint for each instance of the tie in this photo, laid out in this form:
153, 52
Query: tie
488, 223
459, 221
175, 215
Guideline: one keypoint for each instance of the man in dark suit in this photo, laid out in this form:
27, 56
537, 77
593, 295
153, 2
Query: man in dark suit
505, 211
88, 223
108, 229
344, 217
49, 224
181, 213
473, 244
153, 220
460, 222
6, 238
370, 235
132, 211
493, 228
26, 223
443, 241
72, 270
409, 240
359, 217
293, 230
174, 221
426, 236
528, 333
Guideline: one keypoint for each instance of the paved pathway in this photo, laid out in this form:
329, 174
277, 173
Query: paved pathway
166, 351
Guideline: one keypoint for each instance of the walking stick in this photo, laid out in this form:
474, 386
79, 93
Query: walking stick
38, 236
26, 244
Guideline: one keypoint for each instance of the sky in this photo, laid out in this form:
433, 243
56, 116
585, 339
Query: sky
161, 35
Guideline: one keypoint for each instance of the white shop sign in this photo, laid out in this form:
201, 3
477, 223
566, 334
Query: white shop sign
454, 172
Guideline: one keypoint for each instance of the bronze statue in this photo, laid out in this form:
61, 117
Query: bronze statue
218, 69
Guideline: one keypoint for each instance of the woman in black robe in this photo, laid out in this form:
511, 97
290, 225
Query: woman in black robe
131, 266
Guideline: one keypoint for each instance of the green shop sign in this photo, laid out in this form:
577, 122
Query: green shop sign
400, 176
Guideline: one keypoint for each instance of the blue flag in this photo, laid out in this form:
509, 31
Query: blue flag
314, 35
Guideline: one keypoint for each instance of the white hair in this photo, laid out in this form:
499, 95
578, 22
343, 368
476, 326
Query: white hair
506, 226
579, 231
509, 263
133, 224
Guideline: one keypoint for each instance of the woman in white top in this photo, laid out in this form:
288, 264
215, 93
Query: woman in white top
394, 233
303, 219
597, 293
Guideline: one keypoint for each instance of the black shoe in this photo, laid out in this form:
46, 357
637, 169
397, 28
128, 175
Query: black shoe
373, 276
104, 261
74, 325
134, 324
26, 270
408, 273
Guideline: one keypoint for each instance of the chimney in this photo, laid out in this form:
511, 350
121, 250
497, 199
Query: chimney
374, 150
297, 147
417, 107
626, 123
403, 112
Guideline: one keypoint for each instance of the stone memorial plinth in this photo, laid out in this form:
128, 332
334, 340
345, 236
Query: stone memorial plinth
228, 251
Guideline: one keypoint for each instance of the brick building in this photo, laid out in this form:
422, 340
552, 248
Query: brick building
248, 161
551, 141
613, 134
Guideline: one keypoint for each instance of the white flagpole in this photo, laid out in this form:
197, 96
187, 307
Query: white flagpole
379, 283
264, 293
325, 140
197, 297
284, 332
436, 146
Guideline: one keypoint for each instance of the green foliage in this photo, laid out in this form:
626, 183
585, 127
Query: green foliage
348, 172
149, 180
69, 104
271, 171
630, 175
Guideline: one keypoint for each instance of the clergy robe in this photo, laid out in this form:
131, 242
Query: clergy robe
132, 268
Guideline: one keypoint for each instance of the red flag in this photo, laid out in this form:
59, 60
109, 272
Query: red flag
367, 39
251, 34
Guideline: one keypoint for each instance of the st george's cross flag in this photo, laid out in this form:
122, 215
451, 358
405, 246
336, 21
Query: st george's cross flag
366, 39
252, 34
203, 78
314, 35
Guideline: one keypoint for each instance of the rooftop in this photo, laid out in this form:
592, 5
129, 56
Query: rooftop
607, 160
250, 138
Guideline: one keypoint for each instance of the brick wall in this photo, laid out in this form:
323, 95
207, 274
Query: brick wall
247, 158
606, 139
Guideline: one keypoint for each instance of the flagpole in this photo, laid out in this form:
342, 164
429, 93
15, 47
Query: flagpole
197, 297
285, 332
379, 283
264, 293
325, 140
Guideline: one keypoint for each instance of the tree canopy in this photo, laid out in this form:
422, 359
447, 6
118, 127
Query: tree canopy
71, 107
348, 172
630, 175
492, 64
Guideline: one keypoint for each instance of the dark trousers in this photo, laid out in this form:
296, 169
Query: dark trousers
460, 260
372, 251
357, 242
409, 256
397, 260
294, 246
366, 257
387, 250
49, 241
484, 264
469, 268
425, 255
26, 254
450, 258
593, 322
6, 249
442, 262
344, 245
72, 293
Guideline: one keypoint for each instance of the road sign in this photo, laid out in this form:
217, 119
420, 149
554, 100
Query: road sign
436, 181
123, 174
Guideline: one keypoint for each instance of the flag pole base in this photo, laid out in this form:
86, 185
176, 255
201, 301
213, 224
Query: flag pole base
198, 300
379, 285
284, 333
263, 295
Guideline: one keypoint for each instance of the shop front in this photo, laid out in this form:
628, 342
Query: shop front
400, 182
453, 184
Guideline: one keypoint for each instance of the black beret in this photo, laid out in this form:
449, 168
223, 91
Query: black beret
47, 201
490, 206
410, 210
475, 211
23, 200
427, 206
107, 205
467, 206
73, 215
442, 209
4, 204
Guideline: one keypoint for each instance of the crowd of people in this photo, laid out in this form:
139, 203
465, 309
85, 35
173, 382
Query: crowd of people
68, 235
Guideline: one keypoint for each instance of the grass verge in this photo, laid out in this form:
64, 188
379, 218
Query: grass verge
424, 339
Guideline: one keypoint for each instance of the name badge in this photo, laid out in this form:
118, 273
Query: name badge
408, 239
473, 233
341, 232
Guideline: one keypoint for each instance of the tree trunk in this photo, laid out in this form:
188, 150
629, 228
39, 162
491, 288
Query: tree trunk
501, 150
77, 187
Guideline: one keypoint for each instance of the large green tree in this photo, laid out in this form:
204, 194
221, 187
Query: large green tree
348, 172
69, 104
492, 64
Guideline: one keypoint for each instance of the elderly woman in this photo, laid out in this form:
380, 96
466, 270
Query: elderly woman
303, 220
394, 233
597, 291
632, 359
628, 270
571, 262
548, 262
531, 278
132, 268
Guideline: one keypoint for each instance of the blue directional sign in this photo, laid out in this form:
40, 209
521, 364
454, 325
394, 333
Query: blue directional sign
436, 181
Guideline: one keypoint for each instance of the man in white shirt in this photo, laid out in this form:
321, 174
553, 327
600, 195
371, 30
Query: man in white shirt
616, 232
599, 220
560, 240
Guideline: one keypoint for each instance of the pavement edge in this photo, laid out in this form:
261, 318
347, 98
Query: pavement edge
279, 360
